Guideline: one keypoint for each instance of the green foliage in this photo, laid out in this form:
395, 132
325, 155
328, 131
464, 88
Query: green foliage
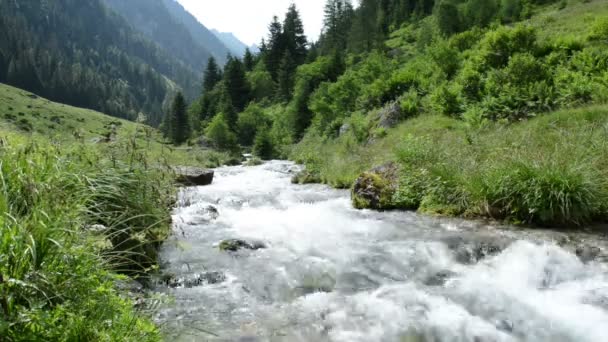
260, 82
263, 146
220, 135
547, 171
56, 279
599, 30
179, 122
250, 122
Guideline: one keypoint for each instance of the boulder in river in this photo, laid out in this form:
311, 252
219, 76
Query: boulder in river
587, 253
234, 245
440, 278
205, 278
374, 189
476, 248
194, 177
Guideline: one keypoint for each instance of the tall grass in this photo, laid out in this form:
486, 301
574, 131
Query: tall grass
548, 171
57, 273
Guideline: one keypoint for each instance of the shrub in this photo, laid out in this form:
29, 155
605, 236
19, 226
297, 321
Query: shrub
263, 146
599, 29
500, 44
220, 134
249, 122
523, 68
445, 100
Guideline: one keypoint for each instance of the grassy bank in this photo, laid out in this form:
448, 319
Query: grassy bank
85, 201
550, 170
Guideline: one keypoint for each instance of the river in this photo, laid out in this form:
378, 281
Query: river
333, 273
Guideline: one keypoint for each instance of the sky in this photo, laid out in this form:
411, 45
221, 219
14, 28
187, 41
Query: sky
249, 19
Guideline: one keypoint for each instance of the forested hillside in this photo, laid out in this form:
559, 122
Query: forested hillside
466, 65
159, 24
80, 53
203, 36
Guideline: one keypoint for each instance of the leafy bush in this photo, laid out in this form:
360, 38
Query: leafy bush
263, 146
249, 122
599, 29
445, 100
220, 134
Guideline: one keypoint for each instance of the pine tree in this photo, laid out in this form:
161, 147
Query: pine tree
212, 75
248, 60
447, 17
179, 121
286, 77
276, 47
337, 24
236, 84
293, 34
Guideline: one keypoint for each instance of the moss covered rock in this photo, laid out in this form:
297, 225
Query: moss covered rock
374, 189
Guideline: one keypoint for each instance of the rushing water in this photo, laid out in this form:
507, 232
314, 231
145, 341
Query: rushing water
332, 273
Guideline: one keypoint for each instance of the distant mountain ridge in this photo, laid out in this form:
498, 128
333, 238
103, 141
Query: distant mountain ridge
236, 46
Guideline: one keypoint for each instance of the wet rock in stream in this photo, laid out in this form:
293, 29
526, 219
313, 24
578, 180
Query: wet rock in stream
206, 278
234, 245
470, 250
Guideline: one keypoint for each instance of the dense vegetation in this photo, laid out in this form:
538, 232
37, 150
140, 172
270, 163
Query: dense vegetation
385, 66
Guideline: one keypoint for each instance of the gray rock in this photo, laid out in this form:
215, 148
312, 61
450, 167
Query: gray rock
476, 248
588, 253
234, 245
344, 129
390, 115
206, 278
440, 278
195, 177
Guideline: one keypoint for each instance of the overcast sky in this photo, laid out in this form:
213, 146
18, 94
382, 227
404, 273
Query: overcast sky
249, 19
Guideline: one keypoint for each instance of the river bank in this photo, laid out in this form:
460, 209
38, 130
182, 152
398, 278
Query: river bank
549, 171
329, 272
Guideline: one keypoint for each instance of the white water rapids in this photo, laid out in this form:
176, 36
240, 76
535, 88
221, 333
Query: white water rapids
332, 273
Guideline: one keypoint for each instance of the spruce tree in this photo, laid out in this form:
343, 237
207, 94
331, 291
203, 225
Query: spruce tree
293, 34
286, 77
236, 84
179, 121
212, 75
276, 47
248, 60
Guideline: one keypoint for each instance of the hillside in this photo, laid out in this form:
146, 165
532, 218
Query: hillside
48, 48
28, 115
198, 31
162, 26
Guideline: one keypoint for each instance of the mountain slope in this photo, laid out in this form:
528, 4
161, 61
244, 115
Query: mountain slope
201, 34
80, 53
157, 23
236, 47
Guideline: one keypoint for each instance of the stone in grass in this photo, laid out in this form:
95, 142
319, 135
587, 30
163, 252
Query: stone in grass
374, 189
234, 245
